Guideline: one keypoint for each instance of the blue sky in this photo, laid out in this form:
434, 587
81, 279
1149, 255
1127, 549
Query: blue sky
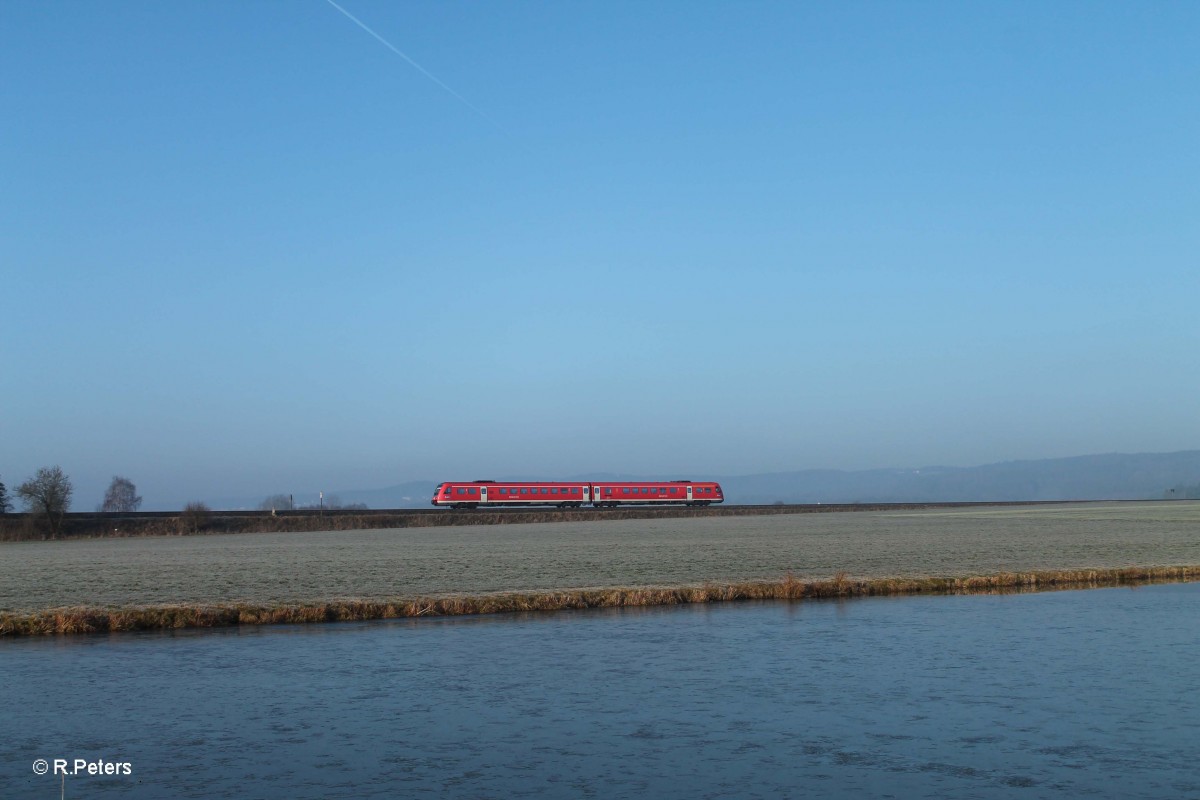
249, 249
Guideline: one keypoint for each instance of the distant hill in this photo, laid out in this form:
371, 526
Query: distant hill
1115, 476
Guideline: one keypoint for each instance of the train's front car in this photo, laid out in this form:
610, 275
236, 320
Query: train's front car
441, 494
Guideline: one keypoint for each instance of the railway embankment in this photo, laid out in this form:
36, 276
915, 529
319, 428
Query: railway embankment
28, 527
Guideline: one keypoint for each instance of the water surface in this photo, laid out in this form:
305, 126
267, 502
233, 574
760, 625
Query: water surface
1065, 694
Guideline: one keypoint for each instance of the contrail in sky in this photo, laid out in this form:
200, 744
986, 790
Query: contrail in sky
422, 70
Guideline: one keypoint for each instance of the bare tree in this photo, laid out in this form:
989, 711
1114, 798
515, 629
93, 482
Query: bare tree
121, 496
5, 503
49, 493
277, 502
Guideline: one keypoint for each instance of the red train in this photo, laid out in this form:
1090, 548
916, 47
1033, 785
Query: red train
574, 494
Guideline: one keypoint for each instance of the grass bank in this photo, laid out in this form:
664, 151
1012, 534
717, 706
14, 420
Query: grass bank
100, 620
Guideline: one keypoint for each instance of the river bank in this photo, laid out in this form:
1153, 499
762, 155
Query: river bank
98, 620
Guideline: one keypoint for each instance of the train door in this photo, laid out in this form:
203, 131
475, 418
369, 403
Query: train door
483, 494
689, 494
587, 494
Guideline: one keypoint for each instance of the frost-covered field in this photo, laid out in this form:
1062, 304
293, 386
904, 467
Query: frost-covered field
377, 564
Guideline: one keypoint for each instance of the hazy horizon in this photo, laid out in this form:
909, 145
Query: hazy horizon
310, 494
252, 249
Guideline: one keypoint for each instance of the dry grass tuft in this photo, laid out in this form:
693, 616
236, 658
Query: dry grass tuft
100, 620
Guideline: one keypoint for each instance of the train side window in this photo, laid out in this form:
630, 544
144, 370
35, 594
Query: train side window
554, 490
543, 490
608, 490
461, 490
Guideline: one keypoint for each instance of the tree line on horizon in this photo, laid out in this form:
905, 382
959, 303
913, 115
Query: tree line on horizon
285, 502
47, 496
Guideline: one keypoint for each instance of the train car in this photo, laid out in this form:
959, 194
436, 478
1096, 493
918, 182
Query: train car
683, 493
493, 494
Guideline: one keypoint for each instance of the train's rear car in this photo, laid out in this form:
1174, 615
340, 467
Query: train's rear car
656, 493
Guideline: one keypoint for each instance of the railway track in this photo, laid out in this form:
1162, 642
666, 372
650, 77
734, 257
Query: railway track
17, 527
586, 512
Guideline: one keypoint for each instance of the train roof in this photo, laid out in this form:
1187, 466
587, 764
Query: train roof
575, 482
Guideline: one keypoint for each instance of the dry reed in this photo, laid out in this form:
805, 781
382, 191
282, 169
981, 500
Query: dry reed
100, 620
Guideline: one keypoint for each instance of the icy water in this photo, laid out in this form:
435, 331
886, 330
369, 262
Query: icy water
298, 567
1066, 694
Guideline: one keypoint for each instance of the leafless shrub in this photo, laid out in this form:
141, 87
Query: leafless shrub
195, 517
